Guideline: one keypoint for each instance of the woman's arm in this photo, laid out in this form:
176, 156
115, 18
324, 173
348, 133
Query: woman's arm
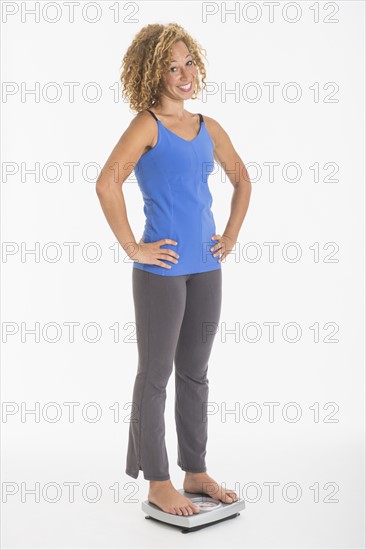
138, 137
227, 157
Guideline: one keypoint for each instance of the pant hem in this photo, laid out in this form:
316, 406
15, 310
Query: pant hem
154, 478
193, 470
135, 476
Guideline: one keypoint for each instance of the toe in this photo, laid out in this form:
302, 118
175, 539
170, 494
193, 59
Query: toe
227, 497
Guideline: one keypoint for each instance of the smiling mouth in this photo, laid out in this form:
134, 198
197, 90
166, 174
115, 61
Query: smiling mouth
186, 87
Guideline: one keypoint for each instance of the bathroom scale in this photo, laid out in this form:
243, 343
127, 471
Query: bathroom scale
211, 511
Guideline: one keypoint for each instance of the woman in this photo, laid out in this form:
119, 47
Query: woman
176, 272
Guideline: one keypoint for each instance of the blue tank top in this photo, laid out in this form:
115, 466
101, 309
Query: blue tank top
172, 177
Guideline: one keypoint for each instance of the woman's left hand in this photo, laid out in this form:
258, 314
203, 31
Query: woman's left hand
223, 247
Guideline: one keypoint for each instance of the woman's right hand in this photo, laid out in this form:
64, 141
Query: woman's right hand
151, 253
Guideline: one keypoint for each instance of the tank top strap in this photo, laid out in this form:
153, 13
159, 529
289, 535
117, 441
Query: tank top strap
153, 114
201, 118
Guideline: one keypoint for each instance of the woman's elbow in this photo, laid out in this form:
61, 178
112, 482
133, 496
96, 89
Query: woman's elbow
101, 185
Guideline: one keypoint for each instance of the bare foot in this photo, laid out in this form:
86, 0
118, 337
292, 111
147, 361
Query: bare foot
163, 494
203, 483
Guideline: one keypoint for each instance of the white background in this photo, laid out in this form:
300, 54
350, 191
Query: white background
325, 219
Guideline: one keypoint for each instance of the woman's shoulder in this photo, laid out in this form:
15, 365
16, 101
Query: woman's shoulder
142, 128
214, 127
144, 122
211, 122
144, 118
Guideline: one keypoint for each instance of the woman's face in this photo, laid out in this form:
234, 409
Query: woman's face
179, 81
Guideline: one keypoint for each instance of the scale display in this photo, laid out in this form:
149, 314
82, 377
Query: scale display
206, 504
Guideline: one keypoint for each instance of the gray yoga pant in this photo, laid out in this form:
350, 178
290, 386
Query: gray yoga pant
176, 321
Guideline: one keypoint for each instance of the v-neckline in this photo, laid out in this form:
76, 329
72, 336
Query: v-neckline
180, 137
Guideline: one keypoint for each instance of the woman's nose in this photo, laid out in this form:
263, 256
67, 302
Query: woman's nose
184, 75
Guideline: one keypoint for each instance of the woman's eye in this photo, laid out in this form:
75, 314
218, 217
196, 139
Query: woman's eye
190, 61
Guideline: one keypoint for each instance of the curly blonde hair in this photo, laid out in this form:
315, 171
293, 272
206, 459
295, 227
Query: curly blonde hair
148, 58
